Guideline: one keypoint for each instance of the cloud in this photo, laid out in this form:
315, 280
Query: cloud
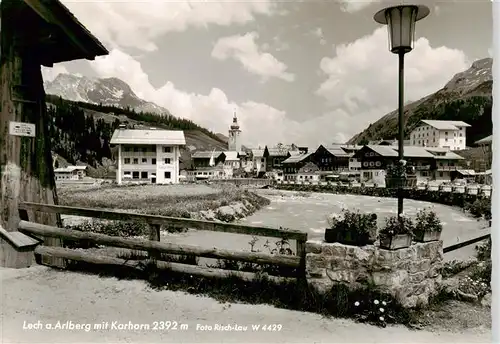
244, 49
318, 32
213, 111
137, 24
362, 76
355, 5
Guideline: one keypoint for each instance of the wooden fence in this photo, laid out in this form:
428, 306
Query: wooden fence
155, 247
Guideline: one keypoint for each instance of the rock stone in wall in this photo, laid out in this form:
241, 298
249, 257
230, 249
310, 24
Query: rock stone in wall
410, 274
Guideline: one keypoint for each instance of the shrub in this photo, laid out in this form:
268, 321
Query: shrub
481, 207
396, 226
428, 221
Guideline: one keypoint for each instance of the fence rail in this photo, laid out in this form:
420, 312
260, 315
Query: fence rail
154, 247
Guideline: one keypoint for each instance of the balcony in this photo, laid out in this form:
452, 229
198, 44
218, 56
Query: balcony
447, 168
422, 167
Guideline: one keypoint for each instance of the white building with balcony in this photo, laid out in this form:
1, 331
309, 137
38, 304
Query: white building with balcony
148, 155
441, 134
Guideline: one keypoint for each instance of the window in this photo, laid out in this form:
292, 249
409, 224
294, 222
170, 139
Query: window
460, 134
126, 149
434, 140
144, 149
446, 139
153, 161
135, 175
167, 175
126, 161
446, 133
167, 149
167, 161
144, 175
144, 160
136, 161
136, 149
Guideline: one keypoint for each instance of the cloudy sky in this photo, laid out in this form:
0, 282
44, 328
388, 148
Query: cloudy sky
307, 72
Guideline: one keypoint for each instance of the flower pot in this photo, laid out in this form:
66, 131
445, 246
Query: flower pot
347, 237
395, 242
423, 236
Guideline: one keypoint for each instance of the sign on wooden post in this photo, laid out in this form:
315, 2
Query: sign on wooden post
21, 129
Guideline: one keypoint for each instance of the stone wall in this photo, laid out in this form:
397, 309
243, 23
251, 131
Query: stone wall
410, 274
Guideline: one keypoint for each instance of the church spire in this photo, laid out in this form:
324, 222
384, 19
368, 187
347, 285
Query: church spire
235, 125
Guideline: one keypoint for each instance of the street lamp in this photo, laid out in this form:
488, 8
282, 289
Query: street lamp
400, 21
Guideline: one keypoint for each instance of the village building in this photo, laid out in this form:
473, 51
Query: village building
231, 163
70, 173
441, 134
428, 164
331, 158
275, 157
148, 155
202, 159
293, 164
309, 173
259, 161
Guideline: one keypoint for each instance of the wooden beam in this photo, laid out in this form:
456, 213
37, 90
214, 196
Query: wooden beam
289, 234
465, 243
65, 253
161, 247
50, 18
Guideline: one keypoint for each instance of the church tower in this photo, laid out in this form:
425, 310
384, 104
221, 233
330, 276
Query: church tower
234, 142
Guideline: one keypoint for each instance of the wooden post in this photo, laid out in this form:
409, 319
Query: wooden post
25, 161
301, 252
154, 235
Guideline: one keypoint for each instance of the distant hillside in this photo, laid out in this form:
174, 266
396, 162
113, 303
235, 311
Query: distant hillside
80, 132
222, 137
466, 97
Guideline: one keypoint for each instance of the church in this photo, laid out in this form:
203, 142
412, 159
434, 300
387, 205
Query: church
234, 162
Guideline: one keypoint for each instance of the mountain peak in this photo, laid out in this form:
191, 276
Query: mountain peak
106, 91
479, 72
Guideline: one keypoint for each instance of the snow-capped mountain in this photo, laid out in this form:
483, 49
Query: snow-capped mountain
107, 91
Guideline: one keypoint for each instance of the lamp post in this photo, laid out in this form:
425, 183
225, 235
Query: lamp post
400, 21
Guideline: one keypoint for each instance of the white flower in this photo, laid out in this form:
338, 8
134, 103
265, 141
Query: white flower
376, 302
381, 318
384, 303
356, 303
381, 310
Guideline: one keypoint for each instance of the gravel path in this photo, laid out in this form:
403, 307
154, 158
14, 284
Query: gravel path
45, 295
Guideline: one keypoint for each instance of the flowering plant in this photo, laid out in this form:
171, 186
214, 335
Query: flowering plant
428, 221
396, 226
373, 311
353, 221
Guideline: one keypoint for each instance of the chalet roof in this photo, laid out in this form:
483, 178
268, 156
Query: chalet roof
415, 152
447, 156
467, 172
72, 40
148, 137
258, 153
297, 158
205, 154
386, 151
337, 151
277, 152
487, 139
445, 125
231, 155
69, 169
